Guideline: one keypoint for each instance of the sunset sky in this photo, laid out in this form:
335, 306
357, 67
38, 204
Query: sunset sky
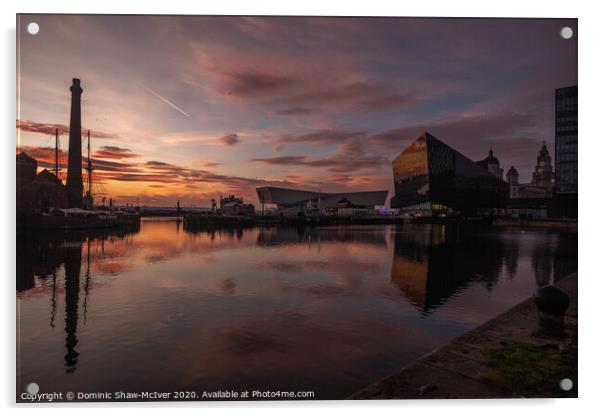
190, 108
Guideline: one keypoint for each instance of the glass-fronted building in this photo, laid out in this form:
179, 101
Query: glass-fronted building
432, 178
566, 151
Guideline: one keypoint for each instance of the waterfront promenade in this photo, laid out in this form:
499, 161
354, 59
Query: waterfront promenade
503, 358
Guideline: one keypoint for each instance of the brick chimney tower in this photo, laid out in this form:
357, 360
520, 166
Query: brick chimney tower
75, 185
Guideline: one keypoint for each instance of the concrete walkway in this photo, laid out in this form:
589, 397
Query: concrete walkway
464, 369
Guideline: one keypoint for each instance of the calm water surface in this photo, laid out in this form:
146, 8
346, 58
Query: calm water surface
323, 309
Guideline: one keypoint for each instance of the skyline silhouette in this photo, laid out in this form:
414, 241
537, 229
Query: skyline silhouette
191, 107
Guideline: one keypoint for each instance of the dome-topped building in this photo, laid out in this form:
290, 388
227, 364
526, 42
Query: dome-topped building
492, 164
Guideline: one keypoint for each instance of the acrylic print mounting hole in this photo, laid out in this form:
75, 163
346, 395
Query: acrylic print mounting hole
566, 33
33, 28
566, 384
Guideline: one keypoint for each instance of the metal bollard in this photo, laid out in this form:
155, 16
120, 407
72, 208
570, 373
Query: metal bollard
552, 304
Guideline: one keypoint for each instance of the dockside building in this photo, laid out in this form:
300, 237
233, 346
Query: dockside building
432, 178
293, 200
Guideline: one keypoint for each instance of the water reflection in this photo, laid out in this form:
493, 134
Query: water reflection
42, 255
240, 308
274, 236
433, 263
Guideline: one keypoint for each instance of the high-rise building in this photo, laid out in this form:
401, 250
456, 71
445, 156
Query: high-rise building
431, 177
75, 184
566, 151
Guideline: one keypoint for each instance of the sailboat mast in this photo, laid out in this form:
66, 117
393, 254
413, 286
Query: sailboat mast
89, 169
56, 152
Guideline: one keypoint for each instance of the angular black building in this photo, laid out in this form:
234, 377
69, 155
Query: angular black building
431, 177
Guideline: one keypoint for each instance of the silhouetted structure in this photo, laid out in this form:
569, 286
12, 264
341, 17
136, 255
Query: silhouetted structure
38, 192
291, 198
492, 164
543, 174
75, 185
88, 200
512, 178
232, 205
43, 193
534, 199
524, 190
431, 177
566, 152
27, 168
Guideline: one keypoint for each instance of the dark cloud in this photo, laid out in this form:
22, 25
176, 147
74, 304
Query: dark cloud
329, 136
333, 164
227, 286
114, 152
111, 166
158, 165
294, 111
363, 96
283, 160
300, 92
252, 83
210, 164
49, 129
230, 139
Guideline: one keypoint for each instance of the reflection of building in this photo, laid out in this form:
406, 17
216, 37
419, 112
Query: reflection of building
492, 164
73, 263
430, 177
433, 263
232, 205
277, 236
566, 151
292, 198
40, 258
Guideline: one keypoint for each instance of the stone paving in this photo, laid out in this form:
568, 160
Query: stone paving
459, 369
